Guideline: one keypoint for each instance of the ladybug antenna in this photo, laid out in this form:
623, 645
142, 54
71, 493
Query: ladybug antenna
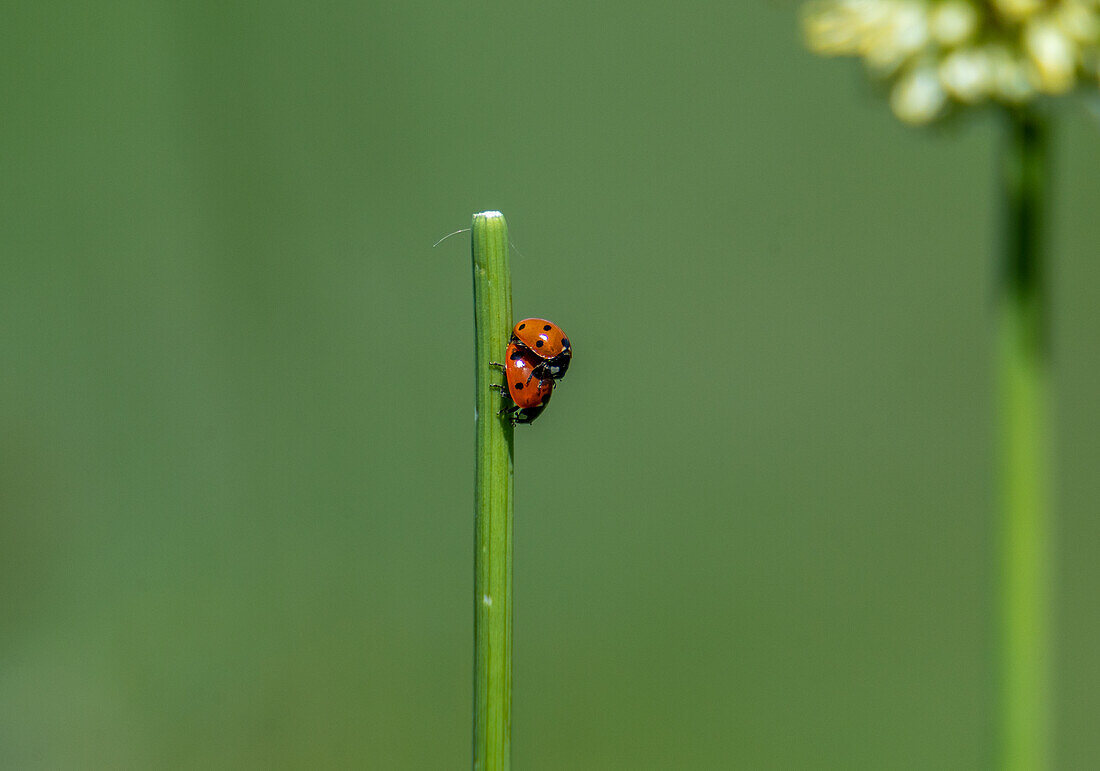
437, 243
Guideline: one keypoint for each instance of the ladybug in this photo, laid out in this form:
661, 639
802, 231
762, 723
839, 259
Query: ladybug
548, 344
529, 398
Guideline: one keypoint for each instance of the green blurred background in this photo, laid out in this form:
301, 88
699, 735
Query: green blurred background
236, 469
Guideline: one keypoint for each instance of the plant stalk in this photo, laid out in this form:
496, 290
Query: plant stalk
492, 500
1025, 517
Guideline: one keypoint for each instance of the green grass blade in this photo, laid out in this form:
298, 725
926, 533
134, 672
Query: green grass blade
492, 500
1025, 509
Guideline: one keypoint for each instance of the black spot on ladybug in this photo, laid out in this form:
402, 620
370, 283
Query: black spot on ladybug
519, 386
565, 342
545, 327
515, 355
521, 326
538, 343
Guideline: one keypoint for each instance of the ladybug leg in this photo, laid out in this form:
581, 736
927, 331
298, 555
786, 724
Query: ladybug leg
508, 411
541, 381
497, 364
544, 372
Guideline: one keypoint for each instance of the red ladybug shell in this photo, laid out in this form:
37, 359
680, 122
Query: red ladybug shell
529, 392
547, 341
543, 338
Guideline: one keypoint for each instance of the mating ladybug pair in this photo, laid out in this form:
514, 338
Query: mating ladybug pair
537, 355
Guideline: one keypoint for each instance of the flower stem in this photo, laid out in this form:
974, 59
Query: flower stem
1025, 512
492, 500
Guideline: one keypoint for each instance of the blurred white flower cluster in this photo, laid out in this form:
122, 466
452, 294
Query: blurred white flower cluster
937, 54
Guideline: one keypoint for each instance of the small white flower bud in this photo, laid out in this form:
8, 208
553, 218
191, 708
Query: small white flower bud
1054, 54
1015, 10
1014, 80
917, 97
966, 74
1080, 21
896, 36
953, 22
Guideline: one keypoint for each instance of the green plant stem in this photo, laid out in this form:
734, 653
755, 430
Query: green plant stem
492, 500
1025, 511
